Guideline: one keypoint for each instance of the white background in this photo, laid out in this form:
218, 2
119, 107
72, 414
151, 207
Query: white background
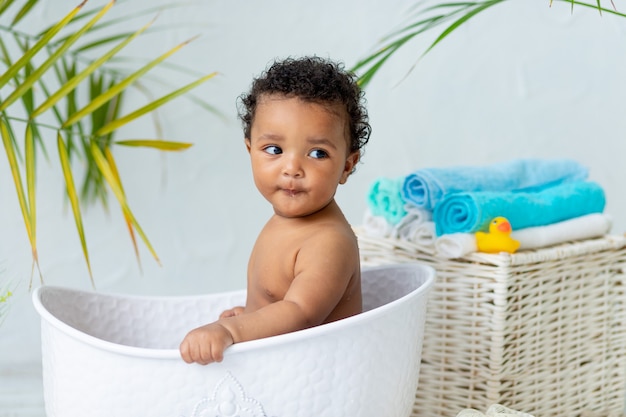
520, 80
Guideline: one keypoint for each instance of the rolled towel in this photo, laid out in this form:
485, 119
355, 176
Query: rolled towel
422, 234
413, 218
376, 226
470, 212
385, 199
578, 228
456, 245
426, 187
416, 214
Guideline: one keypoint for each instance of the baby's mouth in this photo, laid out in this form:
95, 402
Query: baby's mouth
291, 192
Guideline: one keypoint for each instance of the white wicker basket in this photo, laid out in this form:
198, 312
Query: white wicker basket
541, 331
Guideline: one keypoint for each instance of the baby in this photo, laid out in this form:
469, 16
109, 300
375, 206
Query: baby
304, 125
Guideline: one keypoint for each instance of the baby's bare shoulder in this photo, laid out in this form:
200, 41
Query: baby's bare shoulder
330, 254
332, 235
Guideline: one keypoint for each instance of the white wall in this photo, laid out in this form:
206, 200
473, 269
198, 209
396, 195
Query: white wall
520, 80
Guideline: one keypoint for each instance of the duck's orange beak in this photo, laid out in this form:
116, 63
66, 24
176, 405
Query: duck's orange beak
504, 227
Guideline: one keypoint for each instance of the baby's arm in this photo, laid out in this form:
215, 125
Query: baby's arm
322, 274
323, 270
207, 343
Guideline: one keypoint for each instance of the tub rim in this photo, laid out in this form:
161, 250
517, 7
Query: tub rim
237, 348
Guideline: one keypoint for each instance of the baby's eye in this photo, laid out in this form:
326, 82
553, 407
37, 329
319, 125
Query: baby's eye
273, 150
318, 154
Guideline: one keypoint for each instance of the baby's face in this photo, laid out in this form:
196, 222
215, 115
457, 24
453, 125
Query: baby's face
299, 153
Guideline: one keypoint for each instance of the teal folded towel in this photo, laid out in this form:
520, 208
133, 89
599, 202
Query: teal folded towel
426, 187
472, 211
385, 199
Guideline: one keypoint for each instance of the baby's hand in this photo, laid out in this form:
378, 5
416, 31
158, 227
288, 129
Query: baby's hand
232, 312
206, 344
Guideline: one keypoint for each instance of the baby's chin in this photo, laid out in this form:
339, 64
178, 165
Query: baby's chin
298, 213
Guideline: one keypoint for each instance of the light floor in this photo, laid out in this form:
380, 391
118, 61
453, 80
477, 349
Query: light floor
21, 392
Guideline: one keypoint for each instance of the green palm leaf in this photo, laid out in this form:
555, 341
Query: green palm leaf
116, 89
85, 104
41, 43
29, 148
41, 69
118, 191
19, 187
460, 21
161, 145
24, 11
4, 5
129, 225
457, 12
5, 298
392, 43
597, 7
74, 201
78, 78
116, 124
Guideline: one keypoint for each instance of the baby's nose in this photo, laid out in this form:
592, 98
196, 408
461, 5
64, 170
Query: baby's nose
293, 167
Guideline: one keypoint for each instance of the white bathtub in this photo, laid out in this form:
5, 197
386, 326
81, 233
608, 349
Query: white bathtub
117, 356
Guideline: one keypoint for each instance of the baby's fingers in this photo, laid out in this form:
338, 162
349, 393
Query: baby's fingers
186, 351
231, 312
217, 353
196, 353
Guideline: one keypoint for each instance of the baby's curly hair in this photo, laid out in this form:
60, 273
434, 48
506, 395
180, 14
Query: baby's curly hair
311, 79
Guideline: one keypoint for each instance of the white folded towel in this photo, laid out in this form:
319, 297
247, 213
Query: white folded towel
423, 234
456, 245
578, 228
376, 226
410, 226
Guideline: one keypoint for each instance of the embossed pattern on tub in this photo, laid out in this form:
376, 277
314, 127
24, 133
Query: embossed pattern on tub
116, 355
541, 331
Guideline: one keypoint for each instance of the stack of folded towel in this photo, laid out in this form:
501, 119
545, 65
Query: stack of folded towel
546, 202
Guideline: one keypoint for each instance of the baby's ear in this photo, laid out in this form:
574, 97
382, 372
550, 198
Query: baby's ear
350, 165
248, 144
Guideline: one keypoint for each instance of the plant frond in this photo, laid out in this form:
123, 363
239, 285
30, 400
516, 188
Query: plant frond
41, 43
24, 11
116, 124
84, 96
116, 89
425, 22
116, 187
457, 23
74, 200
4, 5
41, 69
596, 6
75, 80
19, 188
161, 145
31, 184
129, 225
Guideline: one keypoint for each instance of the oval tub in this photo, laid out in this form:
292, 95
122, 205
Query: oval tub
110, 355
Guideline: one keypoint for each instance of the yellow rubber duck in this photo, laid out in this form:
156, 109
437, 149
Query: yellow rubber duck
498, 239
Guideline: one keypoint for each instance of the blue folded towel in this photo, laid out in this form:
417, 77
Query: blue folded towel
472, 211
385, 199
425, 187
